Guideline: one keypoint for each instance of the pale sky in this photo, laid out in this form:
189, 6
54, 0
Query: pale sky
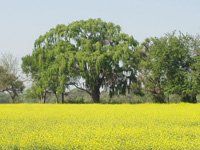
22, 21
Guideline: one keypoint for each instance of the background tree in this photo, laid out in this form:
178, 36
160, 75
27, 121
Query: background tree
192, 88
9, 80
166, 64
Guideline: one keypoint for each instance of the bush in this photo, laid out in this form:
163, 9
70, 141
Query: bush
174, 98
129, 98
78, 100
4, 98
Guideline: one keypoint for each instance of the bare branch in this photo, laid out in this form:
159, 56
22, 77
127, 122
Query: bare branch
80, 88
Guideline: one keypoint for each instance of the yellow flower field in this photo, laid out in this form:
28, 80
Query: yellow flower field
143, 126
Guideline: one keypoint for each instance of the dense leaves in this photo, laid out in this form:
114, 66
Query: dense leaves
169, 66
93, 51
10, 80
10, 83
94, 56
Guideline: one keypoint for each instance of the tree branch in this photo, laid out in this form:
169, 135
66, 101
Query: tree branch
80, 88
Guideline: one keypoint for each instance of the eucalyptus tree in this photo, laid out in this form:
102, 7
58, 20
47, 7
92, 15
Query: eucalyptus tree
93, 51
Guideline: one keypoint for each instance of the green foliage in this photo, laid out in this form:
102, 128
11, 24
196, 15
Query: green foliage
9, 83
103, 55
93, 55
166, 67
92, 50
4, 98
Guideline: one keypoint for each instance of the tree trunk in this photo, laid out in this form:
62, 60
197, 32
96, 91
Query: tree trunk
63, 98
43, 97
56, 97
13, 95
13, 98
95, 94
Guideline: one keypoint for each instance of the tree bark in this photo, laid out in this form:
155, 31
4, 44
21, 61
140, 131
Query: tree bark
95, 94
63, 98
43, 97
13, 96
56, 97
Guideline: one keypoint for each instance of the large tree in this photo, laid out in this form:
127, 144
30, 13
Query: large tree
93, 51
104, 56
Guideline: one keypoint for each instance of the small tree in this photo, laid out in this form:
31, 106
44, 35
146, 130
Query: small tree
9, 81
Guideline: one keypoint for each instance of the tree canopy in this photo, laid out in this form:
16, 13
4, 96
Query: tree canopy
94, 51
93, 55
9, 80
169, 66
